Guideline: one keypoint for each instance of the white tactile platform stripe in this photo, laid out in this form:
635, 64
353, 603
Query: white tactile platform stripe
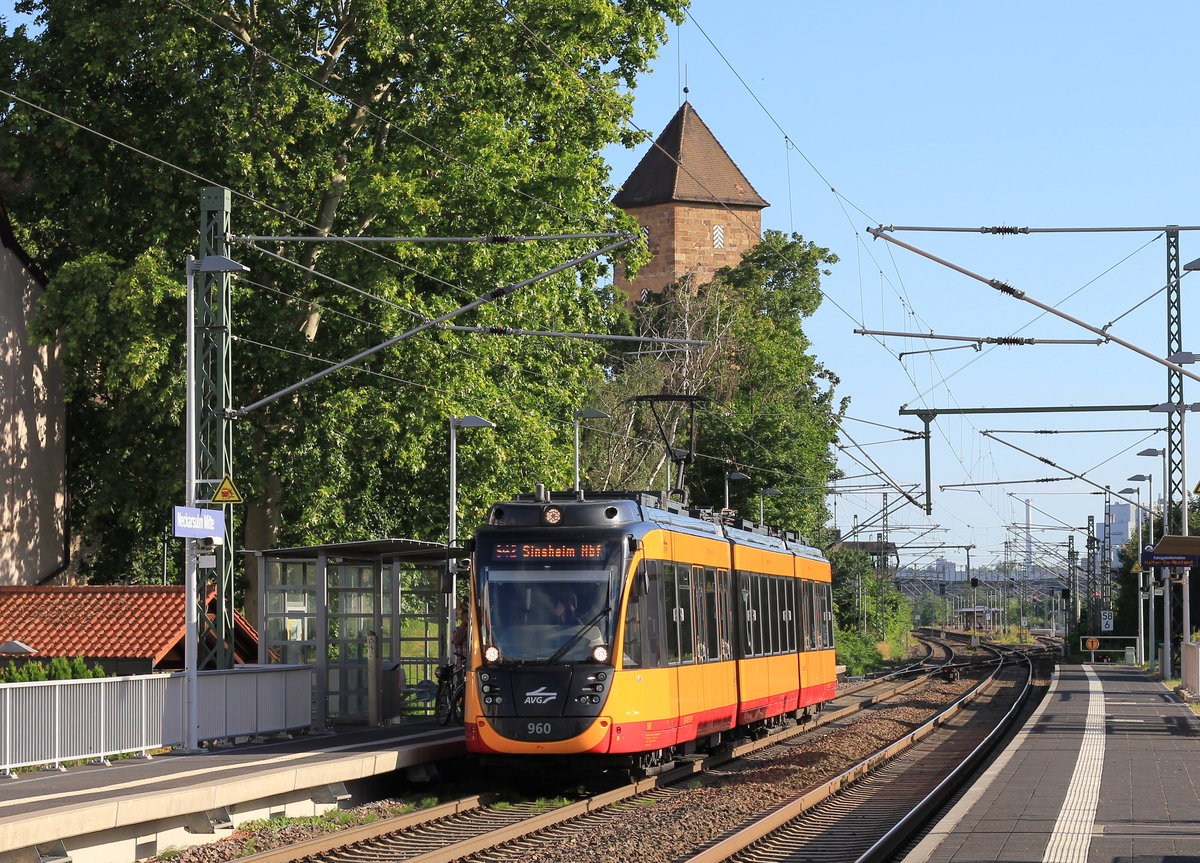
1072, 835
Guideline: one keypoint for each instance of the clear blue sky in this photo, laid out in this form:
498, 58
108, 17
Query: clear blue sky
1065, 114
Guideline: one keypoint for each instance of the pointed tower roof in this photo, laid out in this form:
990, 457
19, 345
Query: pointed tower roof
687, 164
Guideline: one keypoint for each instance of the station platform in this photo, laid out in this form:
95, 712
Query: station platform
1106, 770
137, 808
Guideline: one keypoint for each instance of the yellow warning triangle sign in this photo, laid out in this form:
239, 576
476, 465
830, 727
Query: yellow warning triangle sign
1196, 490
226, 492
1137, 567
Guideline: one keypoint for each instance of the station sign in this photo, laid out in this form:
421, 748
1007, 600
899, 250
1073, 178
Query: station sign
1152, 558
197, 523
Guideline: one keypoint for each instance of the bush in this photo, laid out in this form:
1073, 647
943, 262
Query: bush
59, 668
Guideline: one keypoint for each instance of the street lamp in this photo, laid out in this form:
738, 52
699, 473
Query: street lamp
587, 414
764, 493
467, 422
191, 648
1138, 550
735, 474
1148, 510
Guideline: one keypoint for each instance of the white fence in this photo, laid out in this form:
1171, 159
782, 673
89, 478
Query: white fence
67, 720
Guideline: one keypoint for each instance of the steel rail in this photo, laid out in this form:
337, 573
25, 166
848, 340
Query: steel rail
781, 816
327, 847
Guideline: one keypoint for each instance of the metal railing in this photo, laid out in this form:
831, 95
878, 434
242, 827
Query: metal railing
49, 722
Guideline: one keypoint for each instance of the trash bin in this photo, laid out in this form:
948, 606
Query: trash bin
391, 692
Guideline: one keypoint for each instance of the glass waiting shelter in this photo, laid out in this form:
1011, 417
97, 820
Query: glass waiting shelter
369, 617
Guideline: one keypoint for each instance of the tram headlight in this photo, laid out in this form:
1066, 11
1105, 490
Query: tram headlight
600, 653
491, 653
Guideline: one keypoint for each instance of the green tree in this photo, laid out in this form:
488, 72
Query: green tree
356, 117
773, 413
869, 611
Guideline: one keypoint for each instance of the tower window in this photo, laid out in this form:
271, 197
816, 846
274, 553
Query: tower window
718, 236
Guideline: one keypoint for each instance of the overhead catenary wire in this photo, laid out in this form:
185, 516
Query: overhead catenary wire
1047, 461
494, 239
988, 340
1002, 229
490, 296
1021, 295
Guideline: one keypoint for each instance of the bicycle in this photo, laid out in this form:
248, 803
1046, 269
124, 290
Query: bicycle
451, 691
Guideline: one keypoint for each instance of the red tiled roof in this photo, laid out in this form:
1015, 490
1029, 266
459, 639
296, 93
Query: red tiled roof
100, 622
687, 163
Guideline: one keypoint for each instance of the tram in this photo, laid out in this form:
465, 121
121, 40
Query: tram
626, 630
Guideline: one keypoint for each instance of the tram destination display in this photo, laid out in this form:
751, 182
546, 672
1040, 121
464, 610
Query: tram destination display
549, 551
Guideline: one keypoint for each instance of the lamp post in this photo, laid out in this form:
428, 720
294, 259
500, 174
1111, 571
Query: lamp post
1167, 593
207, 264
1148, 579
587, 414
1138, 547
466, 422
762, 494
734, 474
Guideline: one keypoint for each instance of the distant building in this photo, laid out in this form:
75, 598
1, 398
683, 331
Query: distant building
33, 458
697, 208
1118, 527
947, 570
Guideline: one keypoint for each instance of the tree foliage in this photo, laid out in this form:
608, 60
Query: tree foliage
772, 412
870, 613
353, 117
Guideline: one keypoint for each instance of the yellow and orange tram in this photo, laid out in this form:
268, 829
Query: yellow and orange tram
628, 630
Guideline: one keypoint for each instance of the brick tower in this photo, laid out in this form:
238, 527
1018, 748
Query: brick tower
697, 207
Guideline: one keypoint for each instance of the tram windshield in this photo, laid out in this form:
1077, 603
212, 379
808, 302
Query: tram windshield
543, 601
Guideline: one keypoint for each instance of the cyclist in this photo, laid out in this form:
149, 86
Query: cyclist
458, 640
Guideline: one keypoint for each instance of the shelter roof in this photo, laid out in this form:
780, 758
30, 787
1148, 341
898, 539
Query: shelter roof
687, 164
101, 621
418, 551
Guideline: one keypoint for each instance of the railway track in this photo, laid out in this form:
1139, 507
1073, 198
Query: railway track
484, 829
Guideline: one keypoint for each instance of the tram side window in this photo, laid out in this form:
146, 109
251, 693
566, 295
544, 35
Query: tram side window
760, 615
745, 615
787, 591
712, 637
766, 583
699, 613
827, 613
687, 635
818, 617
806, 615
725, 588
670, 607
633, 652
652, 618
776, 614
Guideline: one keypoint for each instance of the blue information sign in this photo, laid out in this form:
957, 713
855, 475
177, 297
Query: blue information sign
199, 523
1149, 558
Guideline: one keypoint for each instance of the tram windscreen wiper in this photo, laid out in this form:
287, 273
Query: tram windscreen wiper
558, 654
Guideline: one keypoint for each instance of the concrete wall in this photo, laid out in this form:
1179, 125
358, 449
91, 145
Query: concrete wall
32, 436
